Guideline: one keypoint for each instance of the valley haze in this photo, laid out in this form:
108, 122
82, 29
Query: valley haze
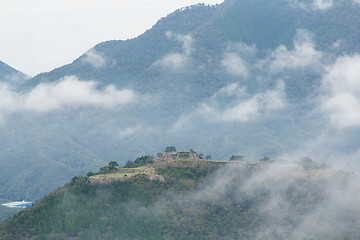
257, 78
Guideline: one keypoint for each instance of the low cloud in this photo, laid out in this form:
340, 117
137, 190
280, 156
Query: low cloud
14, 79
181, 59
304, 55
249, 109
235, 65
69, 92
238, 58
134, 130
323, 4
234, 104
315, 4
341, 88
94, 59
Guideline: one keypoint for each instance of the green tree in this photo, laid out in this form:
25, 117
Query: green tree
208, 157
192, 151
308, 163
105, 169
237, 158
170, 149
143, 160
130, 164
113, 165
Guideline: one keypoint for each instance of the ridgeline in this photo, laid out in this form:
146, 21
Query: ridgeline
184, 196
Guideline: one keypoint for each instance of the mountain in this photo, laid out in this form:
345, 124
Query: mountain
197, 199
39, 168
11, 76
256, 78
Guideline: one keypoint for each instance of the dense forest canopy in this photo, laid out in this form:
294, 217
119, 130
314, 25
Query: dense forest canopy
264, 79
272, 200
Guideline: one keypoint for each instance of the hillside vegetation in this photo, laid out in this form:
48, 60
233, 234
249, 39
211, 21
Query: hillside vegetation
253, 77
208, 200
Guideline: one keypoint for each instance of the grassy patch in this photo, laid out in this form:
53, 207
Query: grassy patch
137, 168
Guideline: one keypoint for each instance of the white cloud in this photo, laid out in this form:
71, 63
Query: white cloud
233, 90
323, 4
94, 59
14, 79
233, 104
341, 86
68, 92
304, 55
235, 65
315, 4
42, 42
178, 60
130, 131
174, 61
257, 106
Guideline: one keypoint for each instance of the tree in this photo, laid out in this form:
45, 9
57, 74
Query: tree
130, 164
237, 158
325, 166
170, 149
113, 165
264, 159
159, 155
208, 157
308, 163
104, 170
192, 151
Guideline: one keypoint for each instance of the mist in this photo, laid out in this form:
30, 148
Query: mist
274, 200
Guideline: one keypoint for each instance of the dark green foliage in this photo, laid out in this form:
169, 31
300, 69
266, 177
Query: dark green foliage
130, 164
193, 203
141, 161
6, 212
264, 159
75, 142
308, 163
105, 169
237, 158
113, 165
170, 149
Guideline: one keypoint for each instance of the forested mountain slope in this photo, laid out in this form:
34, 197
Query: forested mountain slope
11, 76
257, 78
269, 200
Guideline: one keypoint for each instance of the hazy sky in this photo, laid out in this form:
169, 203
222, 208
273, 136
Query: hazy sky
40, 35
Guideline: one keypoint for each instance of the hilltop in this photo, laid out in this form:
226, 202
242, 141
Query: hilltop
253, 77
151, 168
177, 197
